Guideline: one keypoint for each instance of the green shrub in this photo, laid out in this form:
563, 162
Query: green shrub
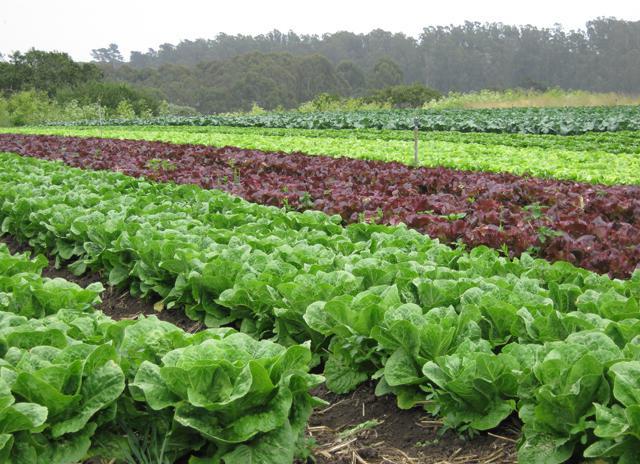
171, 109
28, 107
110, 95
125, 110
331, 102
74, 111
35, 107
4, 113
257, 109
405, 96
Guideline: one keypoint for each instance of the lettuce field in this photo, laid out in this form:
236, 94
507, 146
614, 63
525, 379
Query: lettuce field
298, 291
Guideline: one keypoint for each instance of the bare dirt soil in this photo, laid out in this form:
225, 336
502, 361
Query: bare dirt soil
116, 302
362, 428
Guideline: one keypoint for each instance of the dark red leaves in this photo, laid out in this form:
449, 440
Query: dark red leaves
593, 226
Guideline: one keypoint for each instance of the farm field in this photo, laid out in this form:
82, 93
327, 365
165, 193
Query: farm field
243, 290
610, 142
473, 336
606, 158
592, 226
250, 233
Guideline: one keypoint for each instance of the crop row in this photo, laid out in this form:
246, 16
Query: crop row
594, 227
516, 154
77, 385
610, 142
474, 336
562, 121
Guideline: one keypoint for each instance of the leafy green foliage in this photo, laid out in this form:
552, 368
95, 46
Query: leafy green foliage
44, 71
510, 98
474, 337
332, 102
110, 95
35, 107
405, 96
24, 292
76, 384
561, 121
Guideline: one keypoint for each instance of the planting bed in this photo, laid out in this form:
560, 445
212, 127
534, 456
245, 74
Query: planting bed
358, 424
592, 226
361, 425
77, 384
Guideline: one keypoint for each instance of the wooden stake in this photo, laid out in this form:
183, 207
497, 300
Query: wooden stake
416, 129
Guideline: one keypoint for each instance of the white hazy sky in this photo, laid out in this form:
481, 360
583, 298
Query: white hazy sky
77, 26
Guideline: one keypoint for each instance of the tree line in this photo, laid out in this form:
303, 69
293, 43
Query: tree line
270, 80
38, 86
604, 56
284, 70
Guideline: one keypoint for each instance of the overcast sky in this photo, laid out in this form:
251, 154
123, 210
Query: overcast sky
77, 26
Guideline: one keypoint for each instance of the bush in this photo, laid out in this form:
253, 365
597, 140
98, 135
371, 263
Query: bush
28, 107
74, 111
330, 102
110, 95
171, 109
257, 109
34, 107
125, 110
405, 96
4, 113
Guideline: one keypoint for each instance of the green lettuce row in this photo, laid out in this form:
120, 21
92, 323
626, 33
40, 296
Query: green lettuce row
76, 384
595, 158
472, 336
482, 357
23, 291
610, 142
12, 264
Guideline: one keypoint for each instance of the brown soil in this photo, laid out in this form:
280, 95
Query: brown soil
393, 436
116, 302
397, 436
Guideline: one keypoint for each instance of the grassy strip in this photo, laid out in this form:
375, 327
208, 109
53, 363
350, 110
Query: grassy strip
529, 98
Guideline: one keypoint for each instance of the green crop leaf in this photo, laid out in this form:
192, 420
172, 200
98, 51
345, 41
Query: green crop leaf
272, 448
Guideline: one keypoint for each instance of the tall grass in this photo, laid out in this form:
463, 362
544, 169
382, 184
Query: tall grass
519, 98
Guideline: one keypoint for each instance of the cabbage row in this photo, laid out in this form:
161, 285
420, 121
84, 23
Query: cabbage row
562, 121
473, 337
75, 384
